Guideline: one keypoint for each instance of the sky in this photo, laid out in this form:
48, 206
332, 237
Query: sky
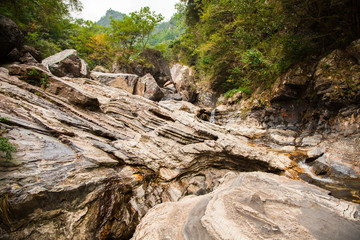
94, 9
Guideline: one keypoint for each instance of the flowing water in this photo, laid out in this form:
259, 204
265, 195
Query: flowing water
345, 188
212, 116
307, 170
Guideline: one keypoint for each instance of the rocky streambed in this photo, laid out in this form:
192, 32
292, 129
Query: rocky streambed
94, 161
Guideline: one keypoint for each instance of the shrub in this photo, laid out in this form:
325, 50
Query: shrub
37, 78
5, 145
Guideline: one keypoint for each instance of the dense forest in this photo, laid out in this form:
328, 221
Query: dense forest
243, 44
233, 45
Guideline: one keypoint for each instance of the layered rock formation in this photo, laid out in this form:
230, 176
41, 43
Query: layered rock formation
92, 159
313, 107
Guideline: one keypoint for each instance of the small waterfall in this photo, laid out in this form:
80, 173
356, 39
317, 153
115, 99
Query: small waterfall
307, 170
212, 116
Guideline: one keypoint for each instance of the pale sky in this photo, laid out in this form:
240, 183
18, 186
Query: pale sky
94, 9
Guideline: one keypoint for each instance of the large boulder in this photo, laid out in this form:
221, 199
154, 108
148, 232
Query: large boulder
152, 61
67, 64
10, 37
254, 206
147, 87
184, 81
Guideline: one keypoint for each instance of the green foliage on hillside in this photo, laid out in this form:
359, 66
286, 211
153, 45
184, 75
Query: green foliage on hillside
110, 14
231, 44
92, 43
48, 26
169, 31
246, 44
45, 23
130, 35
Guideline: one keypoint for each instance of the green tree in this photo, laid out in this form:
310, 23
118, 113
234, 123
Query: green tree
145, 22
232, 43
131, 34
92, 43
45, 23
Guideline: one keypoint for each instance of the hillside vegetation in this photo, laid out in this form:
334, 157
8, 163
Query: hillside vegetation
245, 44
232, 45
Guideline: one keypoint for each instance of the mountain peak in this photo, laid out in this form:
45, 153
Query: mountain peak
105, 20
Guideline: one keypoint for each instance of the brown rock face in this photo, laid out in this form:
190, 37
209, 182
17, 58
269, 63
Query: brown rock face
332, 82
184, 82
292, 84
10, 37
123, 81
148, 88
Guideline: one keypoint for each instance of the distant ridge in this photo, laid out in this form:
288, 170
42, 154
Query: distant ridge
105, 20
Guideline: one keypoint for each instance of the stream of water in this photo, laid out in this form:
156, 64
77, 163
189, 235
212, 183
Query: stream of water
212, 116
307, 170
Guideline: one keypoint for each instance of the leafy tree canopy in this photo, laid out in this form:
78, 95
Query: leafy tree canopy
45, 23
133, 31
